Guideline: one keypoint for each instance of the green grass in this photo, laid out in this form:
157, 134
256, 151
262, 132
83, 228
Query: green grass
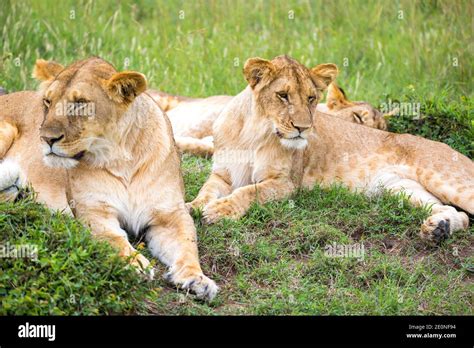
270, 262
203, 53
273, 260
72, 272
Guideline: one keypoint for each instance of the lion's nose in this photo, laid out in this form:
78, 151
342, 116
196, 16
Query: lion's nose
301, 129
51, 140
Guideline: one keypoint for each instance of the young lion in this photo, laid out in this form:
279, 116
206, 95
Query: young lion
269, 140
117, 148
192, 118
359, 112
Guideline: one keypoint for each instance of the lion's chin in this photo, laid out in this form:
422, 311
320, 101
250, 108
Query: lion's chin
295, 143
51, 160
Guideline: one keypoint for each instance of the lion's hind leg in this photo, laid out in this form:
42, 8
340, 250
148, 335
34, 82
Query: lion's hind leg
8, 133
200, 147
11, 178
444, 219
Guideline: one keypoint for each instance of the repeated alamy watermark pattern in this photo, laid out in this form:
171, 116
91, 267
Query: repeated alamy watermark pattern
355, 250
401, 109
19, 251
234, 156
82, 108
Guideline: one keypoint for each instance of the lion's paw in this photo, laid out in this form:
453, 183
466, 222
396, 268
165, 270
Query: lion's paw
435, 231
11, 180
203, 287
142, 265
219, 209
440, 226
190, 207
196, 204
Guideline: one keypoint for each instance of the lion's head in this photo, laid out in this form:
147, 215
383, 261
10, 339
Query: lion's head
357, 112
82, 103
287, 93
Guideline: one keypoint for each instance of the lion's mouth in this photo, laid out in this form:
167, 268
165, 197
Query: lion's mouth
292, 140
282, 136
76, 157
79, 155
13, 188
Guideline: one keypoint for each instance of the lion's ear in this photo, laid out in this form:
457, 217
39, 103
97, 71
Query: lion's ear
336, 97
124, 86
46, 70
323, 74
255, 69
357, 117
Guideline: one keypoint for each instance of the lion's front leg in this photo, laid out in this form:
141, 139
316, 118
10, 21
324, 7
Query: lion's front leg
236, 205
218, 185
105, 226
172, 238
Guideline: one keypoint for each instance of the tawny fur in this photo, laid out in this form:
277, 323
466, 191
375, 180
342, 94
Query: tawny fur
167, 101
193, 118
258, 155
118, 170
20, 146
338, 105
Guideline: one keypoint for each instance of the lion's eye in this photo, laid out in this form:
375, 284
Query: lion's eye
78, 107
311, 99
47, 103
80, 102
283, 96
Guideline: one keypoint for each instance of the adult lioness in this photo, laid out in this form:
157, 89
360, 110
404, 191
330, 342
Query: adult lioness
269, 140
193, 118
21, 158
123, 170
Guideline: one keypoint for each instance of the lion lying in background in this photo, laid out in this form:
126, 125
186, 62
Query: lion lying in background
109, 149
193, 118
269, 140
